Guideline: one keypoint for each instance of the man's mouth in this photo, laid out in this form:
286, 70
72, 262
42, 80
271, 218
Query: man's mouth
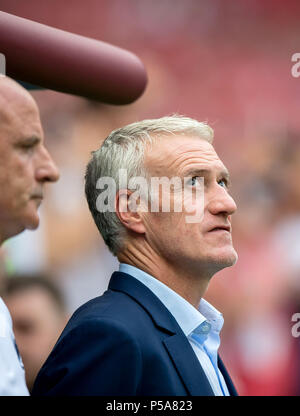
221, 228
37, 197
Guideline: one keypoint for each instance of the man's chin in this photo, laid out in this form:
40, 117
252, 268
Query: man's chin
225, 259
33, 223
231, 259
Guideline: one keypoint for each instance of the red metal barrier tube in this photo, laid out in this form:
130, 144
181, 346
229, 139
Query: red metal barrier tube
66, 62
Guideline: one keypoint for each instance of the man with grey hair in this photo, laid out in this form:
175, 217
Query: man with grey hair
25, 167
152, 333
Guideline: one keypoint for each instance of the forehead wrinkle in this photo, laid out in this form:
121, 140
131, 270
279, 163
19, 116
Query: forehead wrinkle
194, 158
203, 160
158, 160
173, 160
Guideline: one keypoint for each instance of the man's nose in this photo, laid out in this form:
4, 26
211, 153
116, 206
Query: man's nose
46, 171
222, 202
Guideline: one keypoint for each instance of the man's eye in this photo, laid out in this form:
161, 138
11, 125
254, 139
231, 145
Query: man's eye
27, 145
27, 149
224, 183
194, 180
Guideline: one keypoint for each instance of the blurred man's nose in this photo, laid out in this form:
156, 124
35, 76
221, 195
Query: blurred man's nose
47, 171
222, 202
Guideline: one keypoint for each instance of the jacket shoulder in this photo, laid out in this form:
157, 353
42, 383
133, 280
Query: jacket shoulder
114, 307
91, 349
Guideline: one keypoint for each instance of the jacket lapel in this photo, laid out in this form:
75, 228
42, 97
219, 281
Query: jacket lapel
188, 366
228, 381
162, 318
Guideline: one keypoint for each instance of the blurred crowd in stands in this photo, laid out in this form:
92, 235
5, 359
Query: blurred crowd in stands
227, 64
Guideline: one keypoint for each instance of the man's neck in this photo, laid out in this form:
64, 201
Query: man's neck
191, 286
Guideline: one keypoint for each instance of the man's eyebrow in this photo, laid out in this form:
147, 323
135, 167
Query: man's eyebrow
30, 140
202, 172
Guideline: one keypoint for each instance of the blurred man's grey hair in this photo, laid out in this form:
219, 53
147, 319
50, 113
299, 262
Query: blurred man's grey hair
125, 148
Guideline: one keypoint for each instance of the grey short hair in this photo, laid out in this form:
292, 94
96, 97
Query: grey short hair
124, 148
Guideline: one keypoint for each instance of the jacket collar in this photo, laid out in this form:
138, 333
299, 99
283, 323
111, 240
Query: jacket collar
123, 282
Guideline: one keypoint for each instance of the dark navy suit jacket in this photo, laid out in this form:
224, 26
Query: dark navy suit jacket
124, 343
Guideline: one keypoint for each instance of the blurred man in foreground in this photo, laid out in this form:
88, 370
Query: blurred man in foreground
38, 313
152, 333
25, 166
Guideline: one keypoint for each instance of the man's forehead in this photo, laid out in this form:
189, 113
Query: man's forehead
181, 153
11, 90
14, 97
176, 144
17, 108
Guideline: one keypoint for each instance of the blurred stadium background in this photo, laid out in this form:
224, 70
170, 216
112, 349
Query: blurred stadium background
228, 63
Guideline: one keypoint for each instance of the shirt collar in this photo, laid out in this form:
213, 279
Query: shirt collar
188, 318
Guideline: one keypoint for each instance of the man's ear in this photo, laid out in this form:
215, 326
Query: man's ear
128, 213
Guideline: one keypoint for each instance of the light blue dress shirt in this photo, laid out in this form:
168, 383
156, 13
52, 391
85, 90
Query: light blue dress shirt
202, 327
